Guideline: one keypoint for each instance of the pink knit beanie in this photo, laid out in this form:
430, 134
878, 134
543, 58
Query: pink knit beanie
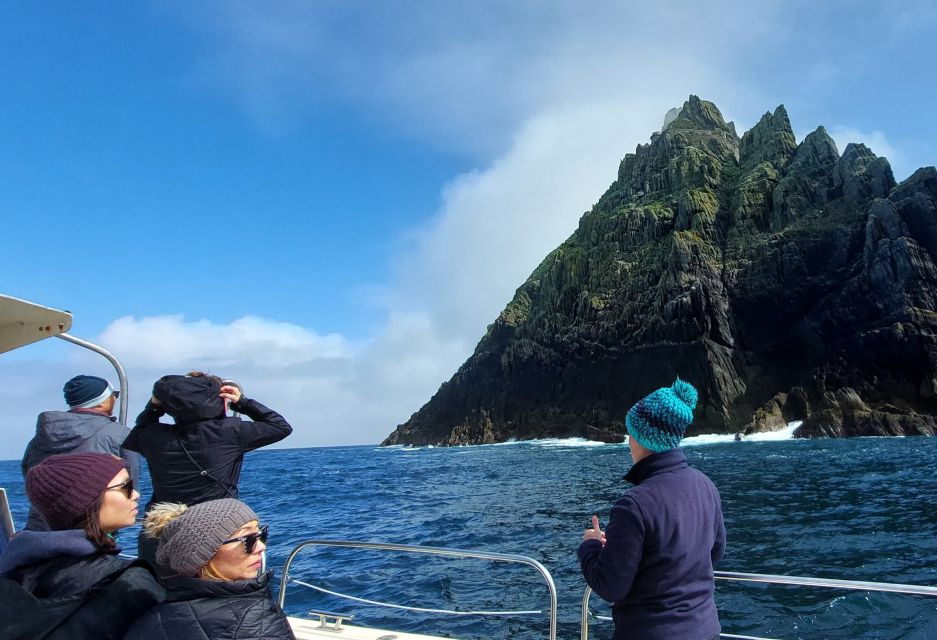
63, 487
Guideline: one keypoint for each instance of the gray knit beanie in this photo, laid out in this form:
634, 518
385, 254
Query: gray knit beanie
189, 541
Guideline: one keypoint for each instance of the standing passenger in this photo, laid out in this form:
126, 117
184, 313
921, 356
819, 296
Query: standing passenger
199, 457
655, 560
88, 425
211, 555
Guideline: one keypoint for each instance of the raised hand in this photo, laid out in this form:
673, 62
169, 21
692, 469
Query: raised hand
230, 393
595, 533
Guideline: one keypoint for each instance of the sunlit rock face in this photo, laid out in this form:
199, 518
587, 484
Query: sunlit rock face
784, 280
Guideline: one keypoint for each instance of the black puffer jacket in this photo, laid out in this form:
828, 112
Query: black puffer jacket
57, 563
103, 613
57, 584
199, 458
214, 610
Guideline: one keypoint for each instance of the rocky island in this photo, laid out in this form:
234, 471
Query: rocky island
786, 281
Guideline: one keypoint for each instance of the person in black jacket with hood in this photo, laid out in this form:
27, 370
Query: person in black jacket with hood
64, 582
199, 457
211, 554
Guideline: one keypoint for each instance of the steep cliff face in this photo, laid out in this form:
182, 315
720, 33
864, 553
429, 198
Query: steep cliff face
785, 281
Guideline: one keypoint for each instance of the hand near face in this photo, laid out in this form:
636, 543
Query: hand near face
595, 533
230, 393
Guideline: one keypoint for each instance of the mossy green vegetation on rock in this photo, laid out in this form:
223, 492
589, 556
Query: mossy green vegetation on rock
784, 280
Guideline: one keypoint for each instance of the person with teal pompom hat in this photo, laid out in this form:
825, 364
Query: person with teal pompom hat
655, 558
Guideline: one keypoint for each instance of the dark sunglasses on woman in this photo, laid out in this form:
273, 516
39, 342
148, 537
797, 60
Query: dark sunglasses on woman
126, 486
250, 540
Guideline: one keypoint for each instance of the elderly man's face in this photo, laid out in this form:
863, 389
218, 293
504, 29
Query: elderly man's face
108, 405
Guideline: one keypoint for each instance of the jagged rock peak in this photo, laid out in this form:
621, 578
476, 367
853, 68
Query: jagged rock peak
771, 140
697, 113
799, 292
859, 173
923, 180
817, 150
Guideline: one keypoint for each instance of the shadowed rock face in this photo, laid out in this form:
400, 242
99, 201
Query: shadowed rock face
787, 282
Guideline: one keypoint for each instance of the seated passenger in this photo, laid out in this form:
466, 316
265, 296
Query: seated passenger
70, 579
85, 498
87, 426
212, 553
198, 458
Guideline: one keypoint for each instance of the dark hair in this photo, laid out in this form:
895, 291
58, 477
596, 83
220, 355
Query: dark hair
92, 526
207, 376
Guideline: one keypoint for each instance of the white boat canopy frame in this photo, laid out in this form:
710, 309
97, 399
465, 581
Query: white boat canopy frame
23, 323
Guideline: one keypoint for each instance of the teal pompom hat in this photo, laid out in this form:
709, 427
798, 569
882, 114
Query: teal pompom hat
659, 421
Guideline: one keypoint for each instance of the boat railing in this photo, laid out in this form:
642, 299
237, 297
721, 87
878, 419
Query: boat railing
285, 579
123, 397
823, 583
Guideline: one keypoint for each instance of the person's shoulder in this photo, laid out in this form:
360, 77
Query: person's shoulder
632, 500
699, 479
51, 417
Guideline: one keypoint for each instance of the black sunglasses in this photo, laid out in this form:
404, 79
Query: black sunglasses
250, 540
126, 486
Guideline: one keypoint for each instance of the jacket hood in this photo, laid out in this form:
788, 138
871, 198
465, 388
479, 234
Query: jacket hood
186, 588
30, 547
64, 431
188, 399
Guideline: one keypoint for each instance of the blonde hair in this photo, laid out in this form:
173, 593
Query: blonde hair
208, 573
160, 515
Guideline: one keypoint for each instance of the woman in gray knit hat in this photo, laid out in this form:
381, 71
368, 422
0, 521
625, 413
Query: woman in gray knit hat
212, 553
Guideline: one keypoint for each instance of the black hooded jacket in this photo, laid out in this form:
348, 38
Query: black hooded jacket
58, 563
57, 584
199, 458
214, 610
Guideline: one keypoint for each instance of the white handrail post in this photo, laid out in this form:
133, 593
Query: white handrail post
121, 375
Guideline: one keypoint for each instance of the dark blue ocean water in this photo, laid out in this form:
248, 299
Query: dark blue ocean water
854, 509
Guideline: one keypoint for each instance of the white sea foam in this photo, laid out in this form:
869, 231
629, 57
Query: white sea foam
787, 433
567, 442
507, 442
707, 438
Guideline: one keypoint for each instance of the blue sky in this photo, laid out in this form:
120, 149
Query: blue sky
331, 200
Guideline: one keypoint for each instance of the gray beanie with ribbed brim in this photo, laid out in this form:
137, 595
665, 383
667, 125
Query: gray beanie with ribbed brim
188, 542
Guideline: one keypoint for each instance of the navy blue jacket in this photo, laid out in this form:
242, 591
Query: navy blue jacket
662, 540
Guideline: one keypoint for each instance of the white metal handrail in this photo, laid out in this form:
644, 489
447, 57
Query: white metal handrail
435, 551
121, 374
404, 607
764, 578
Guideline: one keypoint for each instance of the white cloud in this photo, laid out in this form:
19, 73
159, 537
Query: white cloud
495, 226
549, 96
170, 341
466, 75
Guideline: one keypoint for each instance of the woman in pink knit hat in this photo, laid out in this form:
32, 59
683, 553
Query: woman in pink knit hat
85, 498
70, 581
